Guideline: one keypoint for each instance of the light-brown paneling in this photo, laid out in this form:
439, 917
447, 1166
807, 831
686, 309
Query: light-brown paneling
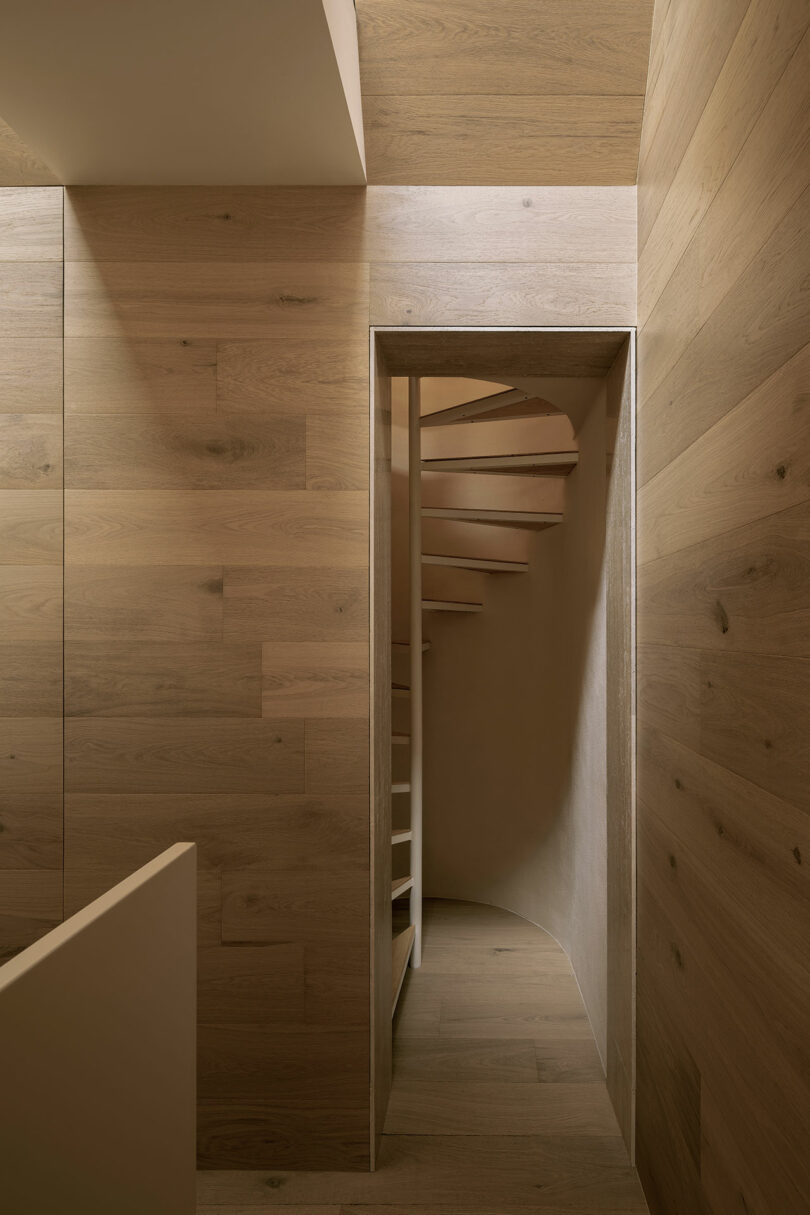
470, 93
31, 540
217, 625
723, 1100
18, 166
217, 600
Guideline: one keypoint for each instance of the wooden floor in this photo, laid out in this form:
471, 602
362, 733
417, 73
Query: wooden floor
499, 1103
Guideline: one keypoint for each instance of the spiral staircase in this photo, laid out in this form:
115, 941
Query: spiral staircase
508, 405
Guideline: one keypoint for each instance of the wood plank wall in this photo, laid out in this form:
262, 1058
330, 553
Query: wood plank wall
724, 609
217, 570
470, 92
30, 565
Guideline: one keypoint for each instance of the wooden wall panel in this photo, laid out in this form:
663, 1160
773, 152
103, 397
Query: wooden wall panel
723, 1112
210, 523
217, 601
18, 166
31, 541
470, 93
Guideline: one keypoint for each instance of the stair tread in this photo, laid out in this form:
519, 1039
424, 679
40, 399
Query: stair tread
537, 464
450, 605
400, 886
406, 645
401, 835
487, 564
513, 403
401, 786
401, 947
400, 739
498, 518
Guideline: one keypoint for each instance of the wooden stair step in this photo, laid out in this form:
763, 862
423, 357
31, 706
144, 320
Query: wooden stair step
538, 464
406, 645
401, 836
400, 740
514, 403
401, 947
400, 886
450, 605
533, 520
401, 786
400, 690
485, 564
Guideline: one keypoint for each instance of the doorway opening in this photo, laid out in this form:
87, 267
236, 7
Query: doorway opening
503, 637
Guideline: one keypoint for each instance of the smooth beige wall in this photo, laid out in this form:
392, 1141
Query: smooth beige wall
98, 1032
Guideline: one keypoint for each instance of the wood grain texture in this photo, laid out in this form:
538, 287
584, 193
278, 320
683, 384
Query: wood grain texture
30, 451
488, 353
473, 95
762, 186
186, 452
323, 678
194, 527
179, 603
30, 299
200, 300
31, 679
503, 1089
552, 293
280, 603
502, 139
31, 602
30, 225
723, 610
376, 224
31, 836
743, 97
692, 41
149, 380
18, 165
174, 754
31, 374
747, 589
31, 544
467, 47
754, 463
143, 679
217, 434
467, 94
337, 755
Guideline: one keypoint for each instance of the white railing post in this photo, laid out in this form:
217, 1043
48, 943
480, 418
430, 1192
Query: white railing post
415, 582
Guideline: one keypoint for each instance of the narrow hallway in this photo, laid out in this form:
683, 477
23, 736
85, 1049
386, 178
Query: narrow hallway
498, 1100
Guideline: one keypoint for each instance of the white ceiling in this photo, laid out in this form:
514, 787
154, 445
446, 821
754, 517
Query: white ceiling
185, 92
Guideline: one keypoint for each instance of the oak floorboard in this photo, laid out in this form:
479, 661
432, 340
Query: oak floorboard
477, 1125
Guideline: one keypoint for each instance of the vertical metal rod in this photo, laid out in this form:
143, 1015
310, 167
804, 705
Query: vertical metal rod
415, 583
